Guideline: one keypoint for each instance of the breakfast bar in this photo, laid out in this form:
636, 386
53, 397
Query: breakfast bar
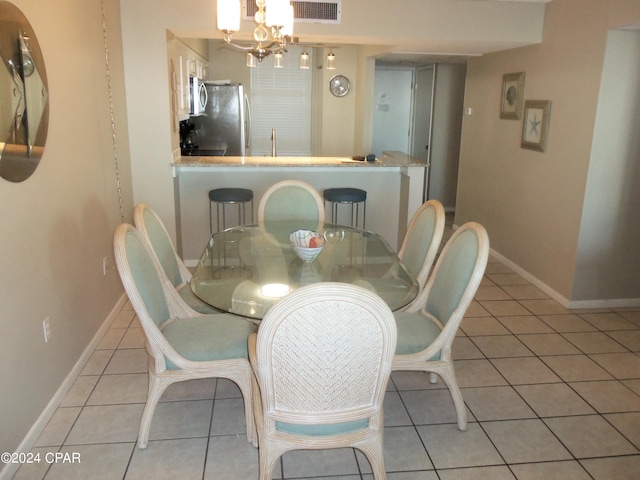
394, 184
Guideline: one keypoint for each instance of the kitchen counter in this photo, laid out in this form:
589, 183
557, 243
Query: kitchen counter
389, 159
394, 184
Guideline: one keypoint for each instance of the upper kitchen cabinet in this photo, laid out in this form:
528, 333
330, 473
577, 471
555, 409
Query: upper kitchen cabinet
184, 62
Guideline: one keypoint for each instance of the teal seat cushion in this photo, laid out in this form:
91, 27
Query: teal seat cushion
322, 430
415, 333
211, 337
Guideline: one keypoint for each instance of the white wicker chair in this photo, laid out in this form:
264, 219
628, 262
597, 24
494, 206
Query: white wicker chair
171, 266
292, 200
182, 344
427, 329
322, 359
422, 240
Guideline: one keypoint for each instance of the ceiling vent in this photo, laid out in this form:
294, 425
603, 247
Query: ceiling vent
304, 11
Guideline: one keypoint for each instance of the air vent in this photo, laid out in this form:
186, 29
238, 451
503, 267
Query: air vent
304, 11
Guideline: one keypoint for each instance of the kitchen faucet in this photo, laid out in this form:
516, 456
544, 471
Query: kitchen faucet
273, 142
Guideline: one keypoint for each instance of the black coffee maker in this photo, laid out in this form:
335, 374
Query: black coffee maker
188, 138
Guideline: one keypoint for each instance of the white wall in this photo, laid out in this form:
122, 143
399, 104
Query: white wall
532, 202
58, 224
608, 264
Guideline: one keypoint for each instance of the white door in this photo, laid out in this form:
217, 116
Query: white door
392, 110
422, 112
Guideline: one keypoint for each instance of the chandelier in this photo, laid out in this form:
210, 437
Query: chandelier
272, 35
274, 30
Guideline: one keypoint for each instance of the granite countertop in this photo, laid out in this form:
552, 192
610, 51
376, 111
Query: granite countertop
389, 159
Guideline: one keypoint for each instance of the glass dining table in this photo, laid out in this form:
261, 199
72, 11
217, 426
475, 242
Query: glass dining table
246, 269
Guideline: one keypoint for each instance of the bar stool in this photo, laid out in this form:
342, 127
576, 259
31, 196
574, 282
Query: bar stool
229, 196
349, 196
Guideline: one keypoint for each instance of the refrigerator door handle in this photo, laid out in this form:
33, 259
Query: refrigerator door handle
203, 102
248, 126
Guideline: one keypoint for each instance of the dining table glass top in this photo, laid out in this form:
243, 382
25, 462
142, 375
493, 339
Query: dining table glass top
246, 269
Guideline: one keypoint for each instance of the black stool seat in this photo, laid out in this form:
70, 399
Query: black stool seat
230, 195
345, 195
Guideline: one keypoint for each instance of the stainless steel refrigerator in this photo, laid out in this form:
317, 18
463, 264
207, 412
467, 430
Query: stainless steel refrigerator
223, 126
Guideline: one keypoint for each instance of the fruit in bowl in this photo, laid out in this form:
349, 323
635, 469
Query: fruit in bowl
307, 244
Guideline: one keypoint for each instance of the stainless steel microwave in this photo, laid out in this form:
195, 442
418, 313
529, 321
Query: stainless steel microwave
198, 96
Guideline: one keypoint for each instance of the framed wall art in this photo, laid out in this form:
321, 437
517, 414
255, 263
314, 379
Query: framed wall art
512, 94
535, 126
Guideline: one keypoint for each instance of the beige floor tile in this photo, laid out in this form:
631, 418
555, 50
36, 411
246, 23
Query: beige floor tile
566, 470
58, 427
231, 457
588, 436
34, 470
403, 451
169, 459
554, 400
430, 407
173, 420
414, 381
501, 308
448, 447
633, 385
544, 307
423, 475
525, 441
503, 279
128, 361
608, 321
491, 293
497, 267
395, 413
464, 349
623, 366
97, 462
476, 310
477, 373
228, 417
80, 391
496, 403
567, 323
576, 368
227, 389
632, 315
522, 324
477, 473
482, 326
133, 338
314, 463
124, 388
123, 319
525, 292
199, 389
620, 468
548, 344
97, 362
499, 346
526, 370
608, 396
106, 424
628, 338
111, 339
628, 424
594, 342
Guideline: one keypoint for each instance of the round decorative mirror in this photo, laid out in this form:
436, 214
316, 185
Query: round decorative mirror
24, 98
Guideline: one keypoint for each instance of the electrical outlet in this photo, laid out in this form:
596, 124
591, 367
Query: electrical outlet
104, 265
46, 328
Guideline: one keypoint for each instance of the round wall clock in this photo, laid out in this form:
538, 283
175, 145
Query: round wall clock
339, 85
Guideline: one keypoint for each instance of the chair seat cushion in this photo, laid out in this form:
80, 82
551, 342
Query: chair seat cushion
415, 333
211, 337
344, 195
322, 430
230, 195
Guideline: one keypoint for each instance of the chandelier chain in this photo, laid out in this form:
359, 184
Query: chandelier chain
114, 141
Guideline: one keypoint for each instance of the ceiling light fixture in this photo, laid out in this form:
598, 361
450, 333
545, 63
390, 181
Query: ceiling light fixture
273, 33
331, 61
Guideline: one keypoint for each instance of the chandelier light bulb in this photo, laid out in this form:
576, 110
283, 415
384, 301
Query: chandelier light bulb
304, 60
331, 61
229, 15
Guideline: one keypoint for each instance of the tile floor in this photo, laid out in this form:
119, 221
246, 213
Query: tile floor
551, 394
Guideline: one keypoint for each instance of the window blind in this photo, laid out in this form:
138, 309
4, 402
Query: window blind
281, 99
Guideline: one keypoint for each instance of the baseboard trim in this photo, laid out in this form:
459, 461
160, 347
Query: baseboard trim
565, 302
36, 429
